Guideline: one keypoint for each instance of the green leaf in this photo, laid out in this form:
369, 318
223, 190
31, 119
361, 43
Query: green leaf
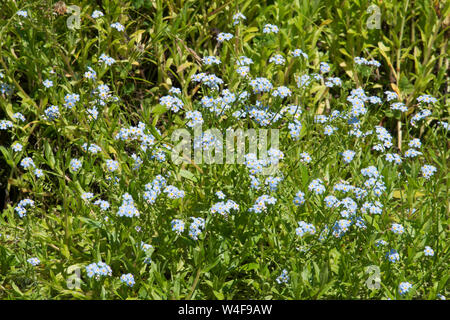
219, 295
49, 155
188, 175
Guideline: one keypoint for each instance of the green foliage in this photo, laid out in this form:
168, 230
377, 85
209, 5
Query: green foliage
240, 256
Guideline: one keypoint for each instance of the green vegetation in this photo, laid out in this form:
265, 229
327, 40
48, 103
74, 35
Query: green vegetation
66, 205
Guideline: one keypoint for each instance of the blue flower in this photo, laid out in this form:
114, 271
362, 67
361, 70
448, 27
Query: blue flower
270, 28
298, 53
128, 279
273, 182
324, 67
390, 95
209, 60
415, 143
399, 106
428, 251
419, 116
127, 208
305, 228
177, 225
48, 83
33, 261
117, 26
71, 100
261, 203
244, 61
220, 195
86, 196
283, 277
196, 227
277, 59
331, 201
317, 186
5, 124
348, 155
404, 287
303, 81
341, 227
224, 208
331, 82
299, 198
75, 164
390, 157
237, 18
97, 14
173, 103
282, 92
428, 171
195, 118
380, 243
305, 157
393, 256
27, 163
364, 61
397, 228
411, 153
51, 113
38, 173
22, 13
90, 74
106, 60
175, 90
21, 207
221, 37
426, 98
98, 270
19, 116
112, 165
328, 130
17, 147
104, 205
173, 192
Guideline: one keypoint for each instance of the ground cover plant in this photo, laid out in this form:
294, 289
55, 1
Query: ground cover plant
345, 198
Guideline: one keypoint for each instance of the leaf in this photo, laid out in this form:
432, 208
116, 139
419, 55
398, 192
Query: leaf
159, 109
326, 22
9, 110
16, 289
65, 251
90, 222
112, 150
7, 156
405, 85
184, 66
49, 155
396, 89
345, 53
383, 49
399, 195
188, 175
324, 289
211, 265
250, 266
219, 295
